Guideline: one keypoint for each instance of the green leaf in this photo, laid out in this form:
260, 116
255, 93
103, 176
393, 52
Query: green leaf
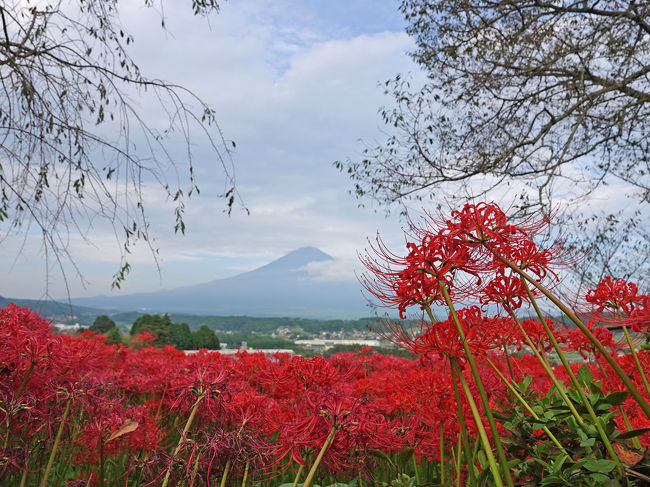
600, 466
599, 477
553, 480
523, 385
588, 442
632, 433
558, 463
616, 398
603, 406
585, 376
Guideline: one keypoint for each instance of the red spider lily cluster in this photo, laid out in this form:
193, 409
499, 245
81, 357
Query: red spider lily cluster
77, 411
478, 255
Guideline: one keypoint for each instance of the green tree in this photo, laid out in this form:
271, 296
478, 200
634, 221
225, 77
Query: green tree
74, 148
549, 99
102, 324
181, 336
114, 337
205, 337
157, 326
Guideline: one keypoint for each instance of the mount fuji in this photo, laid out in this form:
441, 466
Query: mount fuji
283, 287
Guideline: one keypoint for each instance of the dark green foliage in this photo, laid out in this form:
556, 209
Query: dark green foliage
158, 326
102, 324
205, 337
114, 337
146, 321
181, 336
248, 324
539, 458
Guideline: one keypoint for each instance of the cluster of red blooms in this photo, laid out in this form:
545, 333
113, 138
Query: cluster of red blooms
257, 411
478, 256
466, 255
257, 416
475, 256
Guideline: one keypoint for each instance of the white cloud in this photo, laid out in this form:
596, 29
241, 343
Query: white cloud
296, 92
337, 270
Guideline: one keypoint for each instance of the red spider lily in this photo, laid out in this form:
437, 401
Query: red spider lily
145, 337
625, 306
477, 223
640, 317
505, 289
316, 372
26, 344
617, 295
106, 417
209, 452
460, 253
530, 258
535, 331
247, 410
415, 279
576, 340
487, 224
359, 428
208, 382
442, 338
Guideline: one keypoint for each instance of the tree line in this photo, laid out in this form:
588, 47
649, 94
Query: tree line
162, 330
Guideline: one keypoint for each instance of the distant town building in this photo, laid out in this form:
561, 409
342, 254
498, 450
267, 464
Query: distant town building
233, 351
332, 342
63, 328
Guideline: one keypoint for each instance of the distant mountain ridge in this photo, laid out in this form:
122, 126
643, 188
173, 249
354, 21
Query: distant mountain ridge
282, 287
57, 310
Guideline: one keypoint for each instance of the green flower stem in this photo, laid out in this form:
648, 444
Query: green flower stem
547, 368
188, 424
629, 427
523, 402
297, 478
643, 404
5, 442
621, 409
442, 453
321, 453
636, 361
579, 388
243, 482
195, 469
463, 429
496, 473
101, 462
415, 467
477, 379
507, 356
458, 460
23, 478
57, 440
224, 477
26, 378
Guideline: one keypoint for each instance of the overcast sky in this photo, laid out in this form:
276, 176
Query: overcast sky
297, 85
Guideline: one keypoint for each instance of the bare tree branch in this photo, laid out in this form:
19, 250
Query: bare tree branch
554, 96
74, 149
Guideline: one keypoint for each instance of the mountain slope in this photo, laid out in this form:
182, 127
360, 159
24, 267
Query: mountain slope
280, 288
